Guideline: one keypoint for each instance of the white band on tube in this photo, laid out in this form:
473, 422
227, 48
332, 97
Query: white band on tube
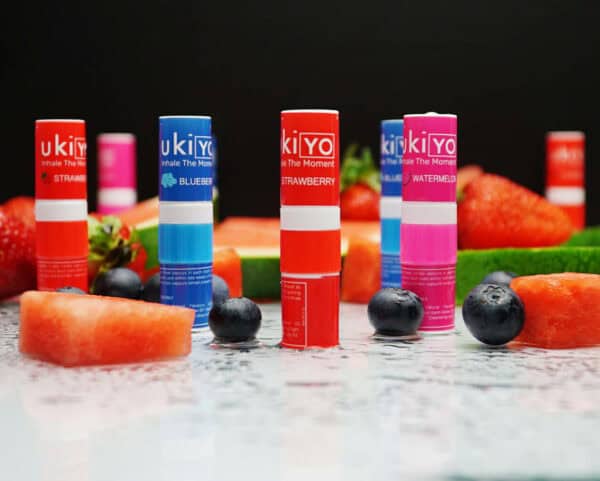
309, 275
117, 138
200, 212
66, 210
566, 195
436, 213
390, 207
310, 217
117, 196
566, 135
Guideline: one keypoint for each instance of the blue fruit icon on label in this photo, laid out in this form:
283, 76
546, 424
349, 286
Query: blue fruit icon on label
168, 180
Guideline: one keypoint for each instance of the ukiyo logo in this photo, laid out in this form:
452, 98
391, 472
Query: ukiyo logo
392, 145
314, 145
198, 146
430, 144
74, 147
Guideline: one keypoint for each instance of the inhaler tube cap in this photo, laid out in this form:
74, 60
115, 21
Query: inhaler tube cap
429, 159
310, 157
60, 159
185, 158
392, 148
116, 159
565, 159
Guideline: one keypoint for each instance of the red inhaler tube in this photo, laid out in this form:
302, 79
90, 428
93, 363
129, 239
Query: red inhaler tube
565, 173
310, 228
61, 204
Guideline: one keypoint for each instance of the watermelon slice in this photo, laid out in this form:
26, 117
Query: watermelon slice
561, 310
361, 275
80, 330
140, 213
586, 237
228, 265
474, 265
256, 240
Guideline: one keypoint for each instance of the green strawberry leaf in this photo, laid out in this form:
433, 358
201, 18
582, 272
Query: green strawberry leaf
359, 168
108, 245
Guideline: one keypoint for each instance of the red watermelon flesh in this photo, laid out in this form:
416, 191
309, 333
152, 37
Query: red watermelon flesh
361, 275
249, 233
80, 330
561, 310
140, 213
227, 264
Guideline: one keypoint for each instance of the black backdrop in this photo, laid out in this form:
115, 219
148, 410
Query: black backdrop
511, 70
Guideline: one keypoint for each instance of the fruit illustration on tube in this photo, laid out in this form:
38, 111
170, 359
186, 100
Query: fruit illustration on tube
310, 228
428, 231
117, 187
565, 174
185, 232
61, 204
391, 200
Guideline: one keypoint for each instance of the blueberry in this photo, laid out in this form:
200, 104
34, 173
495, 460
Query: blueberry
501, 278
70, 290
151, 290
118, 282
494, 314
395, 312
220, 291
234, 320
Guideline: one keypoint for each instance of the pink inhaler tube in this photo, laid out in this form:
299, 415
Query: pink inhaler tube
117, 189
428, 231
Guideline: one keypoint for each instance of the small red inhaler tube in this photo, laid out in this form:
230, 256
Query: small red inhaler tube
310, 228
565, 174
61, 204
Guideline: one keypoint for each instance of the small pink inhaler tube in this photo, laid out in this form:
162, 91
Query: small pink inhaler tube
310, 228
117, 189
428, 231
61, 204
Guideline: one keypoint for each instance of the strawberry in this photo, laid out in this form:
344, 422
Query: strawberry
17, 256
496, 212
360, 184
21, 207
359, 202
138, 264
113, 244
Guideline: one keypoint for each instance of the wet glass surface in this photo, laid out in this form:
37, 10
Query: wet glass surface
443, 407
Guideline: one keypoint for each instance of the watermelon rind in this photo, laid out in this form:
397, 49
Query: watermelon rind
474, 265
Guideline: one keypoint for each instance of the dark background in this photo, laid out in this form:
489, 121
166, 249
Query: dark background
511, 70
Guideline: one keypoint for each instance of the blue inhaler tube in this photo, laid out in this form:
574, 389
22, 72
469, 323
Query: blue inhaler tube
185, 231
392, 138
